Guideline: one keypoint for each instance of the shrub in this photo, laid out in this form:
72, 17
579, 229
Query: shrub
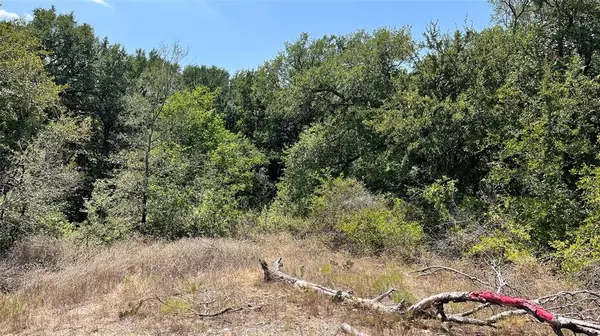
275, 219
583, 253
352, 217
510, 242
580, 254
379, 229
337, 198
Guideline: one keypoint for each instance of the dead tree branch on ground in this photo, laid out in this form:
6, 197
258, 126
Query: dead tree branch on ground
433, 306
188, 307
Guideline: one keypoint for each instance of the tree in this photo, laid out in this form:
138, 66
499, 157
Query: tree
26, 91
36, 186
345, 80
71, 58
210, 77
95, 76
563, 26
33, 173
145, 105
213, 78
200, 176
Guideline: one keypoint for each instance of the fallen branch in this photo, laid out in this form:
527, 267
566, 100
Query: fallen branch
273, 273
135, 307
423, 308
435, 269
383, 295
197, 313
349, 330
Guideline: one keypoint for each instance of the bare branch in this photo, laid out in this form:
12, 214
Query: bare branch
197, 313
273, 273
475, 310
435, 269
554, 297
504, 315
383, 295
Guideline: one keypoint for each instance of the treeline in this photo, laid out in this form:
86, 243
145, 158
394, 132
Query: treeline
468, 142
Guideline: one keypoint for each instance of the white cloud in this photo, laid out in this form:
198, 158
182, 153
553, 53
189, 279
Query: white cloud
101, 2
7, 16
4, 15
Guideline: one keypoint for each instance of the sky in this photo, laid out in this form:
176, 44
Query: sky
243, 34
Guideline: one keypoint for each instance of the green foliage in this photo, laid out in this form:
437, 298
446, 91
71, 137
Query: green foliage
112, 211
565, 26
94, 75
41, 179
275, 218
211, 77
200, 176
26, 91
71, 55
352, 217
337, 198
582, 250
337, 146
537, 167
380, 230
509, 242
441, 195
361, 221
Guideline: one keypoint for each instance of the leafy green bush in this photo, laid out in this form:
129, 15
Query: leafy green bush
511, 242
275, 219
580, 254
441, 195
41, 178
379, 229
335, 199
54, 224
352, 217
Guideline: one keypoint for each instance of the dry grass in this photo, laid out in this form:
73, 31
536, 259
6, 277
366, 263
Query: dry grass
60, 289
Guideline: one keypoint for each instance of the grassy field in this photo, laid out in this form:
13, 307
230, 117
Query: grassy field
54, 288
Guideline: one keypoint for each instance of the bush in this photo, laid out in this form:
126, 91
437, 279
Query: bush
275, 219
583, 253
352, 217
337, 198
379, 229
508, 241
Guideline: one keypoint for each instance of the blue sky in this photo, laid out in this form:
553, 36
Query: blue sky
242, 34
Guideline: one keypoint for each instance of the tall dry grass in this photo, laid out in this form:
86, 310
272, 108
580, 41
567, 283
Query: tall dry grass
58, 288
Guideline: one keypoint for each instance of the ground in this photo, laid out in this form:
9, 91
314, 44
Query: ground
56, 288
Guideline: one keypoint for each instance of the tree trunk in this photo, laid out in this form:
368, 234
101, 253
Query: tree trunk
146, 182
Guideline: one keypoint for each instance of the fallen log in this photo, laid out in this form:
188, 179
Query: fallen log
433, 306
273, 273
